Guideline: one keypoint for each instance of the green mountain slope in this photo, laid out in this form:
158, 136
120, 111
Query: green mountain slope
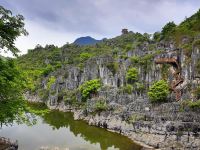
41, 61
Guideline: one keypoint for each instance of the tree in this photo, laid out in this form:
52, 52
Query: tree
156, 36
89, 87
159, 91
132, 75
10, 28
11, 85
147, 36
168, 29
12, 104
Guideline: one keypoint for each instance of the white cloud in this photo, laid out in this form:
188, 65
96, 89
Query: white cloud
58, 22
38, 34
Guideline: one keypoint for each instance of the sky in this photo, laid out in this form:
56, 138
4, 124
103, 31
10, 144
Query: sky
60, 21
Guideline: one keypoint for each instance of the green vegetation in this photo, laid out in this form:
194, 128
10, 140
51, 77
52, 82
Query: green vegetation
135, 60
140, 87
187, 50
197, 43
49, 62
191, 23
194, 105
127, 89
89, 87
37, 108
197, 67
157, 36
197, 92
168, 30
69, 97
51, 81
113, 67
11, 27
136, 117
143, 61
49, 68
159, 91
12, 104
189, 28
101, 105
132, 75
164, 71
85, 56
43, 94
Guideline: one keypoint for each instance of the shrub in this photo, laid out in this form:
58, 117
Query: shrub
197, 66
159, 91
113, 67
89, 87
135, 117
123, 57
101, 105
85, 56
187, 49
194, 105
196, 43
127, 89
156, 36
58, 64
132, 75
43, 94
135, 60
51, 81
69, 97
164, 71
128, 47
48, 69
140, 87
168, 29
197, 92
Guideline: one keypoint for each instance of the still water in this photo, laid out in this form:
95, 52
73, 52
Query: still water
58, 130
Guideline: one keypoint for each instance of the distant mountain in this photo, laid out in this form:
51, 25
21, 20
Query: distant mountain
86, 41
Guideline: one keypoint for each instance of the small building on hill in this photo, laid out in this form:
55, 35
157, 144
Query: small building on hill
124, 31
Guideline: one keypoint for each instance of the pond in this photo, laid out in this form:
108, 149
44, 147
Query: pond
59, 131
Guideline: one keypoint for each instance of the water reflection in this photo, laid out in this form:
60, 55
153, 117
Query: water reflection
59, 129
89, 133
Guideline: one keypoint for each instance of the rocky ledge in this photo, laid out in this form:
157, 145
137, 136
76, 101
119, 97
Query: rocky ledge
164, 126
165, 135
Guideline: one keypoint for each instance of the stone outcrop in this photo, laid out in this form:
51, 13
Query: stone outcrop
7, 144
168, 126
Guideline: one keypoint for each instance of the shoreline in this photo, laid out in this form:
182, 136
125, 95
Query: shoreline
138, 132
80, 117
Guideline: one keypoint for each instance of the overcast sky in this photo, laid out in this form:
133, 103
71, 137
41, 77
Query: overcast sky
60, 21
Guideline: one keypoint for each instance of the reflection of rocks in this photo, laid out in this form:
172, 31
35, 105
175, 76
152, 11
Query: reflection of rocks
92, 135
7, 144
54, 148
83, 147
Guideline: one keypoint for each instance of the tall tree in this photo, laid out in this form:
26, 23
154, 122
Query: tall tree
11, 82
10, 28
168, 29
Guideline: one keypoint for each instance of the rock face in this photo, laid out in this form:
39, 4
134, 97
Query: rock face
6, 144
168, 125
